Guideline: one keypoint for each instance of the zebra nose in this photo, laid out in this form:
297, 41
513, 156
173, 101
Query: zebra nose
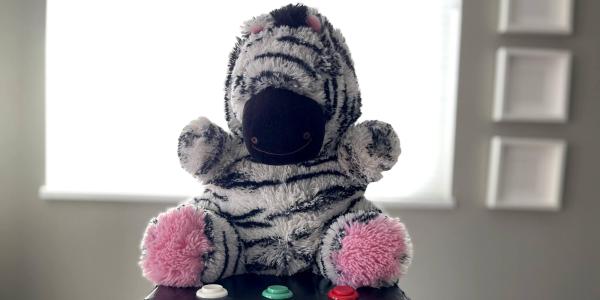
282, 127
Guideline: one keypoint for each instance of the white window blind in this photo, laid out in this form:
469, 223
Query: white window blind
124, 76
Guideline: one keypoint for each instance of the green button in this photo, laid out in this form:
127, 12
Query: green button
277, 292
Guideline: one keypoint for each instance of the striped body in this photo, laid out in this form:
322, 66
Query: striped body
280, 212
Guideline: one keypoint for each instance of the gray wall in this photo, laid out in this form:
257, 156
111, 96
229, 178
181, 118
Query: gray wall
10, 96
83, 250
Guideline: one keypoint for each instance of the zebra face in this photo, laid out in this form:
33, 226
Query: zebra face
290, 62
281, 127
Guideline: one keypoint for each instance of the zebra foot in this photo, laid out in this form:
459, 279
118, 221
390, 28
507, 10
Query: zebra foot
365, 249
188, 246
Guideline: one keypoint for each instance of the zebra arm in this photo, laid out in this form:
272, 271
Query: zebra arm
204, 148
367, 149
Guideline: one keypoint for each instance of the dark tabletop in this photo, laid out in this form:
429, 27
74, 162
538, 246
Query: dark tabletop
250, 286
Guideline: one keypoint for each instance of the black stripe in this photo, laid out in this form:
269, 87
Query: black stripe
307, 258
351, 112
335, 95
336, 243
238, 81
339, 191
220, 197
208, 228
227, 109
327, 225
286, 57
354, 168
296, 41
247, 215
251, 185
343, 114
291, 15
235, 180
197, 200
381, 142
233, 57
319, 161
187, 139
358, 105
355, 109
322, 200
365, 217
206, 257
211, 134
331, 143
249, 44
258, 267
209, 192
313, 175
239, 253
226, 250
301, 233
270, 75
321, 262
209, 232
351, 205
339, 48
328, 109
252, 224
263, 242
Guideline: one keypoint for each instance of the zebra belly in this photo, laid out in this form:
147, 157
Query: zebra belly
279, 211
279, 228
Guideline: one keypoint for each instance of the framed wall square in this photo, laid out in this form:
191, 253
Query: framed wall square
536, 16
532, 85
526, 173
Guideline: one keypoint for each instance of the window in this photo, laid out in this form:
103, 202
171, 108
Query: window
125, 76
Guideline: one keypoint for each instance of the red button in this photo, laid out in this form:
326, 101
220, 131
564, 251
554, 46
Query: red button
342, 292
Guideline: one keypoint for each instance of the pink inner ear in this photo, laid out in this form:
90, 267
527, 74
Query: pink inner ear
256, 28
314, 23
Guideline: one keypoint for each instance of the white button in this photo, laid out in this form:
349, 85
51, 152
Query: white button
211, 291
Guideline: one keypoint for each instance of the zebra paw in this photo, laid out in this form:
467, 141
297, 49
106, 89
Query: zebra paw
173, 246
365, 249
188, 246
368, 149
200, 145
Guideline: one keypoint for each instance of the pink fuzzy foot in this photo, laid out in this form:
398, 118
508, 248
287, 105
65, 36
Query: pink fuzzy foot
365, 249
173, 246
190, 245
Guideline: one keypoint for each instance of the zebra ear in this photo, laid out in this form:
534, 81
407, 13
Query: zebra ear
256, 28
256, 25
314, 23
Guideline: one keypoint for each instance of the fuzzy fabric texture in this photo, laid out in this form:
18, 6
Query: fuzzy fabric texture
365, 248
368, 149
374, 253
173, 246
282, 219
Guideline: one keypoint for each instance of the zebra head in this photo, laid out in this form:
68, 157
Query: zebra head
291, 90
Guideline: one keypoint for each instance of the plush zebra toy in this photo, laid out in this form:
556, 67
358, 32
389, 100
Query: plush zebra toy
284, 190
